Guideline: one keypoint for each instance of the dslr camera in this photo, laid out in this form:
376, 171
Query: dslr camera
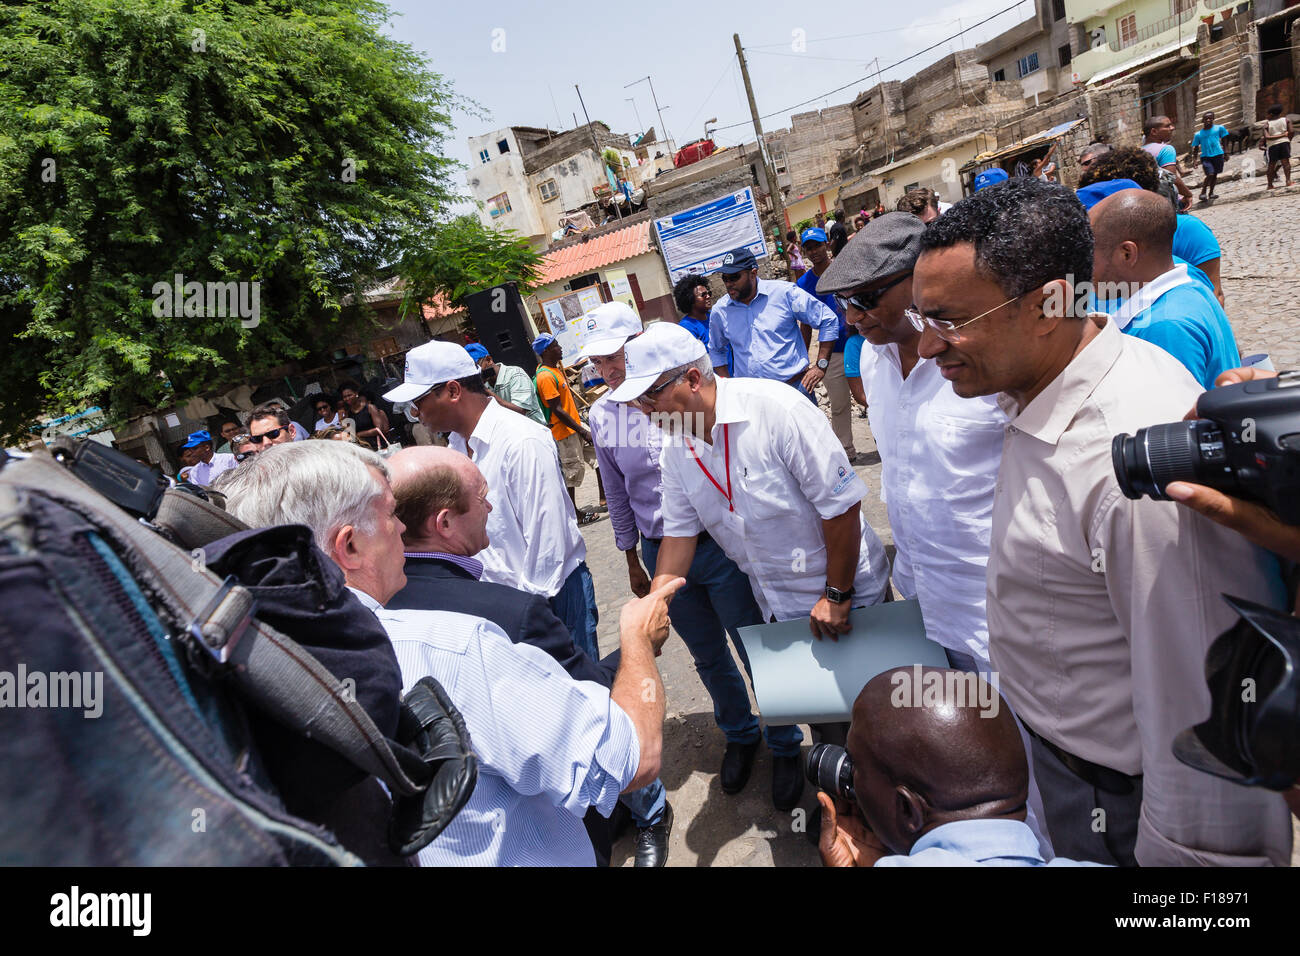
830, 768
1247, 444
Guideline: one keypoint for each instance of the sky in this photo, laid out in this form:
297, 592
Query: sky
520, 60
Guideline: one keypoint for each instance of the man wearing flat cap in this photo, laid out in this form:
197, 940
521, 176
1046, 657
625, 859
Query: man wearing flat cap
759, 320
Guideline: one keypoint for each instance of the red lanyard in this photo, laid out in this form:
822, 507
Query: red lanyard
726, 456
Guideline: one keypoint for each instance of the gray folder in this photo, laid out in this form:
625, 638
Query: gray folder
799, 679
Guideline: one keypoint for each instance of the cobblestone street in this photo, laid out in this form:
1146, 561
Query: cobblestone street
1257, 233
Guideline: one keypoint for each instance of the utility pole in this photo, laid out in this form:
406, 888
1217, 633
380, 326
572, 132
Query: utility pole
596, 146
774, 187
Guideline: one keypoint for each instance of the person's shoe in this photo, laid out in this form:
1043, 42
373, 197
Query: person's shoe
737, 762
787, 782
652, 842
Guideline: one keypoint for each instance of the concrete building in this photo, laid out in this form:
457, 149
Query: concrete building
804, 158
1037, 52
1125, 35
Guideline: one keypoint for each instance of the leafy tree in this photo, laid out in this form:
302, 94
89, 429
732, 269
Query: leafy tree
464, 256
289, 144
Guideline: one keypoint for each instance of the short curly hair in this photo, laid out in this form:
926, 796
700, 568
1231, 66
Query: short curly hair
1025, 232
1124, 162
684, 292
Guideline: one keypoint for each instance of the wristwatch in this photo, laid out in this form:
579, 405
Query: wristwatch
836, 596
823, 364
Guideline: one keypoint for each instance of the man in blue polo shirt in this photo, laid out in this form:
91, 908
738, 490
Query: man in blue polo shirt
1156, 299
817, 250
1208, 141
759, 320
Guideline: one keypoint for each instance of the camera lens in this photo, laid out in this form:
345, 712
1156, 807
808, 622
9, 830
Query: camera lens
830, 768
1180, 451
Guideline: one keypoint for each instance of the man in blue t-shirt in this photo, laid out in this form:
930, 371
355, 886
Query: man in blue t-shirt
1149, 296
1208, 141
1159, 131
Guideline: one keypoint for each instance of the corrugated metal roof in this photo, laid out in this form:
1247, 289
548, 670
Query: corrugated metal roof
582, 257
1028, 142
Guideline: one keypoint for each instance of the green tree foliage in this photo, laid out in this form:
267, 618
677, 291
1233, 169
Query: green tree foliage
292, 144
464, 256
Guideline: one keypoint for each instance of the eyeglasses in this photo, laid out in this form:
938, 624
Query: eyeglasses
243, 455
652, 394
868, 300
943, 327
411, 412
272, 435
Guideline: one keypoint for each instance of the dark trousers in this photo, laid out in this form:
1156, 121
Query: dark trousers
1083, 821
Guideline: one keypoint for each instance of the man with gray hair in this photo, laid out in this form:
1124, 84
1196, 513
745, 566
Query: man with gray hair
549, 746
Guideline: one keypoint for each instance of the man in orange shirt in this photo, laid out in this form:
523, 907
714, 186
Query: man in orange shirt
561, 411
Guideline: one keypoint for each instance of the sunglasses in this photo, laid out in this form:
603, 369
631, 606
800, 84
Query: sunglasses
868, 300
272, 435
243, 455
652, 394
944, 327
411, 412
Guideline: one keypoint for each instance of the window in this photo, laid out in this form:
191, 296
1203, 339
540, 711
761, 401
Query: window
1181, 6
1058, 10
1063, 55
498, 205
548, 190
1126, 28
503, 146
999, 76
484, 155
1027, 64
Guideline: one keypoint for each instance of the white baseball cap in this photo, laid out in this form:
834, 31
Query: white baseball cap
432, 364
608, 327
664, 345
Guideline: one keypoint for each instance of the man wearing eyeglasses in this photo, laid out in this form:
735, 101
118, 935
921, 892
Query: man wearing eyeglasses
759, 320
269, 425
1100, 608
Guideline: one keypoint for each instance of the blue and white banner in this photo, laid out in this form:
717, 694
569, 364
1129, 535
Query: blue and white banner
695, 240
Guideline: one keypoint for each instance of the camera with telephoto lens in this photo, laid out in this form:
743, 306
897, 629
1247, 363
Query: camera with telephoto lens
830, 768
1246, 444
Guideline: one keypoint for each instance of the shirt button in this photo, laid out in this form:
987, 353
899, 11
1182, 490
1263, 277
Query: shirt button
1011, 429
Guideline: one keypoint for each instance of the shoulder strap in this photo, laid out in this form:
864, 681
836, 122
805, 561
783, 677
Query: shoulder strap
270, 669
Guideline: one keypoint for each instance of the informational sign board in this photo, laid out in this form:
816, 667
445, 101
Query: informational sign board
564, 316
91, 423
694, 241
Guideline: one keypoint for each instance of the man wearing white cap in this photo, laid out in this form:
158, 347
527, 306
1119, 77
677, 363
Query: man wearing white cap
717, 598
534, 544
759, 468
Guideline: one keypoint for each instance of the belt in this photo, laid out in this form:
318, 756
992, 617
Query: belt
1103, 778
797, 377
700, 538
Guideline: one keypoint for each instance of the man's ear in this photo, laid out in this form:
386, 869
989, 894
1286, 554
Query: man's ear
1129, 250
344, 549
438, 524
911, 809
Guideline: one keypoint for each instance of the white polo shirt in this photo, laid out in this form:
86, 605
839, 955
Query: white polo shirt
787, 474
533, 539
939, 456
205, 471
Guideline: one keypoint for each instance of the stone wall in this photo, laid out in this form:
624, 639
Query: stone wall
570, 142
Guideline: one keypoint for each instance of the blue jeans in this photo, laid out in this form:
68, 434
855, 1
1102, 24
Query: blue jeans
716, 601
575, 605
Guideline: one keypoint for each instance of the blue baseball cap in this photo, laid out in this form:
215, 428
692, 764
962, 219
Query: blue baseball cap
991, 177
196, 439
543, 342
476, 351
1091, 195
813, 234
737, 260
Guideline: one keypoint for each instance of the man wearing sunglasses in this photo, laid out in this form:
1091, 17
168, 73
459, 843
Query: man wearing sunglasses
759, 320
1100, 608
269, 425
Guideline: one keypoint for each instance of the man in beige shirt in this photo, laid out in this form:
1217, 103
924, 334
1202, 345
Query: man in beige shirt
1100, 609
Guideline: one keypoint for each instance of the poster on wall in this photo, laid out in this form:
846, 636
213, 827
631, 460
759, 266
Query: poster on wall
694, 241
564, 315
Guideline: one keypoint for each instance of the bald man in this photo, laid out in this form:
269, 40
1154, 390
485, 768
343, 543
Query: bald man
939, 774
442, 500
1147, 294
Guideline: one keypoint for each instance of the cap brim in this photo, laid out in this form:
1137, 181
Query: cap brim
633, 388
606, 345
406, 392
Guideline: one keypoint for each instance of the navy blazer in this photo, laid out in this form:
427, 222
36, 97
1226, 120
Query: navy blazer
433, 584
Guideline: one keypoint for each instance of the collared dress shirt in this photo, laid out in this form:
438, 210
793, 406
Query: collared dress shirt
205, 471
939, 456
548, 746
628, 446
764, 335
787, 474
978, 843
471, 566
534, 544
515, 386
1101, 608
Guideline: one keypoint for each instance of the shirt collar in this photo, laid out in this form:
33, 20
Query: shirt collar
471, 566
366, 599
1050, 413
1146, 296
981, 840
481, 436
727, 408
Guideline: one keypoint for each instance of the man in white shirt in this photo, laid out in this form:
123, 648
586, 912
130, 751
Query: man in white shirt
548, 746
939, 453
758, 467
207, 463
533, 531
1100, 608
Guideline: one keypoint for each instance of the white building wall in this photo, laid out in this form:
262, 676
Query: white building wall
502, 173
